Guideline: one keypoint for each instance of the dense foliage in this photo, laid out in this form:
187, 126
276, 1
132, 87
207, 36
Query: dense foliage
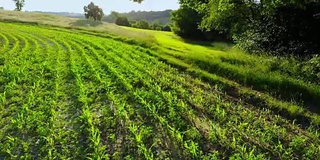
122, 21
277, 27
93, 11
19, 4
162, 17
186, 22
288, 29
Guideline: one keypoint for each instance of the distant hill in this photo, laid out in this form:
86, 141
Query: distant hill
65, 14
163, 17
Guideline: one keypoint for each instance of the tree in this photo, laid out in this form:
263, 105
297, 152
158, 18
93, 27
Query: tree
185, 22
143, 24
93, 12
166, 28
114, 15
122, 21
155, 25
19, 4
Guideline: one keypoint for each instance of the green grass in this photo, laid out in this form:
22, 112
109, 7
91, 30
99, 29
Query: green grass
84, 93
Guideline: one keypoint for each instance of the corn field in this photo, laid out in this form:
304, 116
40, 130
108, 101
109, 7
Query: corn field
66, 94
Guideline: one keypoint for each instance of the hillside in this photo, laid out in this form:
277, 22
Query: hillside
163, 17
67, 22
64, 14
98, 91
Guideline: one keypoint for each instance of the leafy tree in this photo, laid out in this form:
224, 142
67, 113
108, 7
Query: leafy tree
155, 25
139, 1
19, 4
231, 17
166, 28
132, 21
114, 15
163, 17
143, 24
185, 22
93, 12
285, 29
255, 25
122, 21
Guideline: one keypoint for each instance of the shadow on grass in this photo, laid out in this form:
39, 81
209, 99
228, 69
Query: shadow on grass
85, 23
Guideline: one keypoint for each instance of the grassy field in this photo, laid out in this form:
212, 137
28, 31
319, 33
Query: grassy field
85, 93
71, 23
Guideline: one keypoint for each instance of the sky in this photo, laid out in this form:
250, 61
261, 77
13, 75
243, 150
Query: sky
76, 6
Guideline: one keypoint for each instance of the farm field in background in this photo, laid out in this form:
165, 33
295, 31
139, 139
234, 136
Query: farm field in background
77, 94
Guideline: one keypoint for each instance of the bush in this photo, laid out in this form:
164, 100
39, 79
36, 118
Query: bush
122, 21
166, 28
186, 24
143, 24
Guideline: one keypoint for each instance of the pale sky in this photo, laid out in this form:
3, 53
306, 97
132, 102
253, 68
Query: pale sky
77, 5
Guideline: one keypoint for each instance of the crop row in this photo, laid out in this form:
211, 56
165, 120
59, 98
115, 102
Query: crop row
66, 94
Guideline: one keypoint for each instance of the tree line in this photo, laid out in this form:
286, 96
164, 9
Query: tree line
94, 12
123, 20
162, 17
279, 27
